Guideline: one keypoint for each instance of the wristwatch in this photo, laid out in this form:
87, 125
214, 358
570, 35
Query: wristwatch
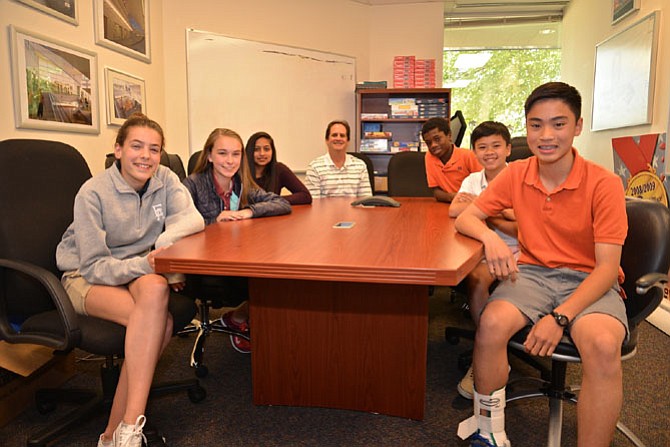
561, 319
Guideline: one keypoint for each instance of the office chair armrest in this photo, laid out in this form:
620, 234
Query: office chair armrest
71, 334
646, 282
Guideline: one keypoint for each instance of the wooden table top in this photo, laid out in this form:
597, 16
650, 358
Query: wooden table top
413, 244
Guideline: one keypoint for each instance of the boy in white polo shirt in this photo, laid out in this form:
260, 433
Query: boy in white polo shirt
492, 144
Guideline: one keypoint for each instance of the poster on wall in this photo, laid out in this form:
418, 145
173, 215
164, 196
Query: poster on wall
640, 161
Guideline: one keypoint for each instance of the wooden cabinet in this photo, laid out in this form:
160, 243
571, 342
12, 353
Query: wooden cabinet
398, 115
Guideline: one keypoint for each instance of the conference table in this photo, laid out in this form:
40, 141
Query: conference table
338, 316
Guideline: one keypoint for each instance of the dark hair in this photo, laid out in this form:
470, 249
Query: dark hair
342, 122
488, 128
203, 163
138, 120
436, 123
268, 179
556, 90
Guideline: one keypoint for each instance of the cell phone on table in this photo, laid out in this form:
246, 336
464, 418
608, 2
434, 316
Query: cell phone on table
344, 224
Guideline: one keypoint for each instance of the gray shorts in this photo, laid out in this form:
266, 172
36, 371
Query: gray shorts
549, 287
77, 288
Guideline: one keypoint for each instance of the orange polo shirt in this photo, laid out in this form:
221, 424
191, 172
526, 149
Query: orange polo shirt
449, 176
561, 228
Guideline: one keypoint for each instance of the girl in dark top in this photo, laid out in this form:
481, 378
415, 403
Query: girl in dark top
272, 175
223, 190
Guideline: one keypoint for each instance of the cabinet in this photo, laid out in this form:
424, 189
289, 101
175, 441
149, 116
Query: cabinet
390, 120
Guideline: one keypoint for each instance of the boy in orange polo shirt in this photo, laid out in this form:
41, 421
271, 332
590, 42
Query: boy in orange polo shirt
446, 165
572, 223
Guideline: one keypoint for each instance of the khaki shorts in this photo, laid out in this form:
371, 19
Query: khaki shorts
77, 288
539, 290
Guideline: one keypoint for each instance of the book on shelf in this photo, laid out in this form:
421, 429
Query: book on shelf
374, 116
431, 101
379, 134
372, 127
403, 146
371, 84
398, 101
374, 145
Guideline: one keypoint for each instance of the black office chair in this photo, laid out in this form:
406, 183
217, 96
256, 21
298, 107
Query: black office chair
520, 149
210, 292
645, 260
192, 160
172, 161
370, 167
407, 175
458, 125
38, 182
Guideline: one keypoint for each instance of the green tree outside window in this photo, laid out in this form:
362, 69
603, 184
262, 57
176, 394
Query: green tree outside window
498, 89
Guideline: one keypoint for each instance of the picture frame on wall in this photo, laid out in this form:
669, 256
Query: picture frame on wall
623, 8
64, 9
124, 27
55, 85
126, 94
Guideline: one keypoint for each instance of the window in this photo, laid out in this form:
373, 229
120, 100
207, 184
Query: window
493, 84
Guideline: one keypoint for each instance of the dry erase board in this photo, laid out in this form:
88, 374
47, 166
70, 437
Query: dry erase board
248, 86
623, 88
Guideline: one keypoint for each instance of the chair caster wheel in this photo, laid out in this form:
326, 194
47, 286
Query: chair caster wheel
197, 394
201, 371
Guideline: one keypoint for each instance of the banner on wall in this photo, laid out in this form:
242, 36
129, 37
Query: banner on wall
640, 162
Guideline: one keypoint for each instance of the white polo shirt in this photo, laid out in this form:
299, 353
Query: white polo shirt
324, 179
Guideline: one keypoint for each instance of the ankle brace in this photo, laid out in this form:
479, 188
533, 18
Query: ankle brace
490, 411
489, 417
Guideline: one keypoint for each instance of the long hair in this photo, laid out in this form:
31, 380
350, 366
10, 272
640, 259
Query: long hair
203, 163
268, 179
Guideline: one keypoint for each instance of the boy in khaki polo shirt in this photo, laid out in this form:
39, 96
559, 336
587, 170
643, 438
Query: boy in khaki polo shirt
572, 223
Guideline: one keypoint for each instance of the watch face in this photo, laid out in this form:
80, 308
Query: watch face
562, 320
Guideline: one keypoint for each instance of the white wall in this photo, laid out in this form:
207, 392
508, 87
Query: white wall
587, 23
414, 29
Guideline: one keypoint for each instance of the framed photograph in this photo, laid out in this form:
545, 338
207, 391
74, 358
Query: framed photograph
124, 27
63, 9
55, 85
623, 8
125, 95
625, 67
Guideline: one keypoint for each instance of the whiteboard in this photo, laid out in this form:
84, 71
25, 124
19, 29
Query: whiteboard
248, 86
624, 76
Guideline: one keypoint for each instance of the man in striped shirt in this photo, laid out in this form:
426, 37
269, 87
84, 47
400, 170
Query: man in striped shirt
337, 174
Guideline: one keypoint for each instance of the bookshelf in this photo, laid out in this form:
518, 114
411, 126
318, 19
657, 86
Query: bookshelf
397, 114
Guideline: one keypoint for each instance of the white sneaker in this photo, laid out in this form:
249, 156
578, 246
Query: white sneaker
102, 443
466, 387
127, 435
